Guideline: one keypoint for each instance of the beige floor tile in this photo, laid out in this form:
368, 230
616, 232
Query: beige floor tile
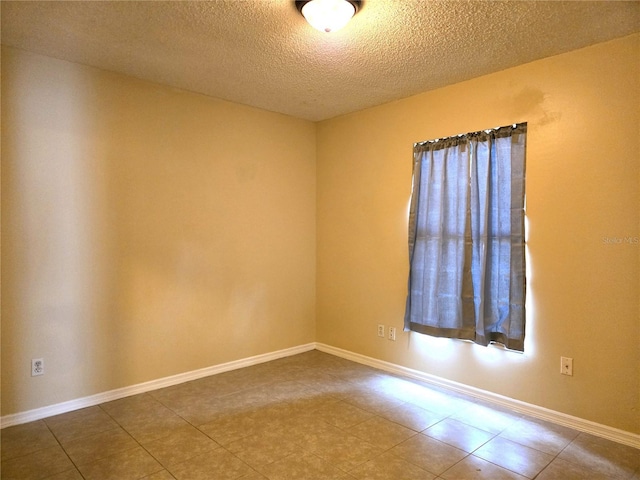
184, 396
229, 427
458, 434
80, 414
80, 423
412, 416
278, 414
245, 400
177, 396
200, 410
560, 469
402, 388
428, 453
148, 428
541, 435
90, 449
493, 420
346, 451
394, 386
301, 467
328, 384
264, 448
302, 421
314, 401
390, 467
381, 432
37, 465
21, 440
342, 415
229, 383
274, 393
132, 408
474, 468
162, 475
68, 475
181, 445
513, 456
365, 400
602, 456
436, 400
253, 476
314, 434
218, 464
333, 444
307, 416
354, 372
130, 465
314, 375
225, 429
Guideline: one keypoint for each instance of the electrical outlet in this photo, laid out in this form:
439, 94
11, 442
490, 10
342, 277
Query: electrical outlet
392, 333
381, 331
37, 367
566, 366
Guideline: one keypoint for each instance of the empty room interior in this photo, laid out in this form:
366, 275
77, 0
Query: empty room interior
205, 258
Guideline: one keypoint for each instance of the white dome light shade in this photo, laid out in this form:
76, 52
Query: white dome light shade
328, 15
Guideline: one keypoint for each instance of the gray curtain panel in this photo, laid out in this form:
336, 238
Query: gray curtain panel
466, 238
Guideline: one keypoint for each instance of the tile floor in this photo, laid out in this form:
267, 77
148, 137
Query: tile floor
309, 417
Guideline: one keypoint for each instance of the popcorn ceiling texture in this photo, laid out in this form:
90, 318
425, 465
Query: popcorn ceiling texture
262, 53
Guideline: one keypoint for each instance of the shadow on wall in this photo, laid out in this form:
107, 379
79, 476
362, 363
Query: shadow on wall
55, 240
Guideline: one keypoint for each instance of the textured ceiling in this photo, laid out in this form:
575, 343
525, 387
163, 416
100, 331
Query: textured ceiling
263, 53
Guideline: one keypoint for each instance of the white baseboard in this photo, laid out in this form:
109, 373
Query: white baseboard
64, 407
587, 426
614, 434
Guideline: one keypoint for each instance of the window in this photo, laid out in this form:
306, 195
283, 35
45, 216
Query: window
466, 238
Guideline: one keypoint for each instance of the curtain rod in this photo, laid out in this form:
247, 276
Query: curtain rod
470, 134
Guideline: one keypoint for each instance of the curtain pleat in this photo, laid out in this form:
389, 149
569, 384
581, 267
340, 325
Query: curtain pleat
466, 238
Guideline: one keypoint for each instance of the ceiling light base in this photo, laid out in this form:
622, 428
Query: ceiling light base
328, 15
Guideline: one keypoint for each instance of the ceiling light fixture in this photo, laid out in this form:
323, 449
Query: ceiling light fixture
328, 15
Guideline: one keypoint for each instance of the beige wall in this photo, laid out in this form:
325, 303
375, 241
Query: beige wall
145, 231
148, 231
583, 172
